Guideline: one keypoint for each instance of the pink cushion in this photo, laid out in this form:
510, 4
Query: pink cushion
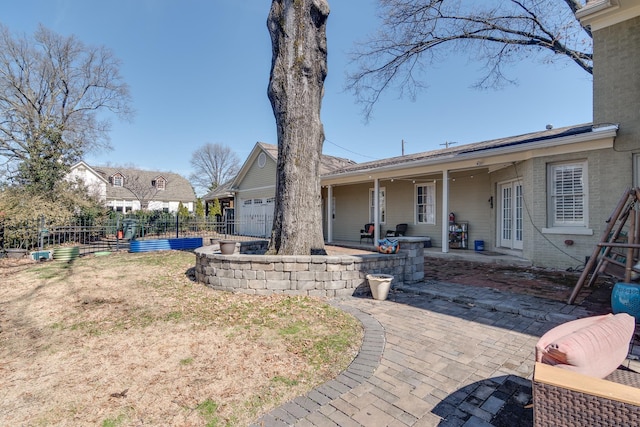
593, 346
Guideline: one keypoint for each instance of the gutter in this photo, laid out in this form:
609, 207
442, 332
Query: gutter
594, 9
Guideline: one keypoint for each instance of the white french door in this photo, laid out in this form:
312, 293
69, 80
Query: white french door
511, 215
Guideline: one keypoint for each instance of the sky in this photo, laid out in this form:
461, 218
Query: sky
198, 72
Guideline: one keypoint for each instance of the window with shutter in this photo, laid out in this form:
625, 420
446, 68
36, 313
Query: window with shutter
568, 195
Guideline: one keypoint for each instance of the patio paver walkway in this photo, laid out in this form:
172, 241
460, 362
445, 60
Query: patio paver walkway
435, 354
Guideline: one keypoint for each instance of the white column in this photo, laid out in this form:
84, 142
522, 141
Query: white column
329, 213
445, 211
376, 211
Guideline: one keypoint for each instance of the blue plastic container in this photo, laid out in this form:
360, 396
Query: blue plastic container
478, 245
625, 298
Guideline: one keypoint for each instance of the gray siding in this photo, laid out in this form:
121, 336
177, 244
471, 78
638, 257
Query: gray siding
352, 211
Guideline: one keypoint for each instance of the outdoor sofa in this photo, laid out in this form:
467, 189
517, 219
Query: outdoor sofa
579, 378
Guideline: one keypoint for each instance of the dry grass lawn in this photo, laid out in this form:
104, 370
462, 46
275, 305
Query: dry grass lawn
131, 339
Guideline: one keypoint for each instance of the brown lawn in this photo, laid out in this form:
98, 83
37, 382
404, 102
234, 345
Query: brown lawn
131, 339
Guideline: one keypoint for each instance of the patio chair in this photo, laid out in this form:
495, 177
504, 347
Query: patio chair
367, 232
579, 379
401, 230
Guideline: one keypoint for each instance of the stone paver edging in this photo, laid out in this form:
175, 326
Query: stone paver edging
360, 369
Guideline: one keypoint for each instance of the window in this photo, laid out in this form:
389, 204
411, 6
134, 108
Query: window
262, 160
426, 203
383, 204
159, 183
118, 181
568, 195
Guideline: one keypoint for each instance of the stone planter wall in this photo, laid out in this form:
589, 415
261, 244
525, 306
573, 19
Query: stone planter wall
313, 275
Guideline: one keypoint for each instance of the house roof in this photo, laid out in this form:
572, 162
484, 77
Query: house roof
220, 192
525, 142
177, 188
327, 163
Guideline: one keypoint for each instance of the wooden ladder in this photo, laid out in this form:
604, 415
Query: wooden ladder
617, 252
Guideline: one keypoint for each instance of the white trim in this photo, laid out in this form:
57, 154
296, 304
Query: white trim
415, 203
244, 190
607, 13
579, 231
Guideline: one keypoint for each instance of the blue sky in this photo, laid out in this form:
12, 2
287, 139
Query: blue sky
198, 72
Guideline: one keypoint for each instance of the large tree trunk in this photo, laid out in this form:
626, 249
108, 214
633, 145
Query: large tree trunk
298, 70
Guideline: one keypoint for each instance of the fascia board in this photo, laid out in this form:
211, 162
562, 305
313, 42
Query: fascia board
93, 171
608, 13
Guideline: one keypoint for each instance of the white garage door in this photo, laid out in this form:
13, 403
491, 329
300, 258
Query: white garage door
256, 217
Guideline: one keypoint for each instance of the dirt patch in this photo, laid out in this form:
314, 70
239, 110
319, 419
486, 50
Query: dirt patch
551, 284
130, 339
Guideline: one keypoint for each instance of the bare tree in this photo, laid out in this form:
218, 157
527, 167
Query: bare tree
213, 165
298, 71
52, 92
143, 189
418, 33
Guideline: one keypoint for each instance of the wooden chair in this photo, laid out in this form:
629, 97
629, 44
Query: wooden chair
367, 232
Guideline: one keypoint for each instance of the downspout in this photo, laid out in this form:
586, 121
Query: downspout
445, 211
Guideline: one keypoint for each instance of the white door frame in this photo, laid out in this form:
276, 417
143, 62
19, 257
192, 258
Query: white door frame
510, 215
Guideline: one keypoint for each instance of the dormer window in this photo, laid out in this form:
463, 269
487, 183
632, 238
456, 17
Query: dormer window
118, 180
159, 183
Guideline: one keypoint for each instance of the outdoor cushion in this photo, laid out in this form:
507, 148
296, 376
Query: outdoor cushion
593, 346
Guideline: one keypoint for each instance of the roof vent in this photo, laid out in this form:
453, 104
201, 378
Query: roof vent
549, 127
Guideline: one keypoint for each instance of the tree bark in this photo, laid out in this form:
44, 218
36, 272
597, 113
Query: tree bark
296, 86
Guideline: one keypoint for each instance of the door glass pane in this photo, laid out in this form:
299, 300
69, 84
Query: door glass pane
519, 212
506, 213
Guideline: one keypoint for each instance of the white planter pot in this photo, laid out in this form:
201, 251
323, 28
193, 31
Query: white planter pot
227, 247
379, 285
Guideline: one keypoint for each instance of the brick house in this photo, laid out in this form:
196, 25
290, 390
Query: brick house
543, 196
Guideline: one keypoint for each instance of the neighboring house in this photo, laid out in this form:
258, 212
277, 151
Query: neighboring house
225, 197
254, 188
126, 189
544, 196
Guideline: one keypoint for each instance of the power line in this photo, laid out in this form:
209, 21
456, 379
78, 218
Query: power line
350, 151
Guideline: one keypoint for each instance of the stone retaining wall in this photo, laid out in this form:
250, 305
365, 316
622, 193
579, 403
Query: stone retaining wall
313, 275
